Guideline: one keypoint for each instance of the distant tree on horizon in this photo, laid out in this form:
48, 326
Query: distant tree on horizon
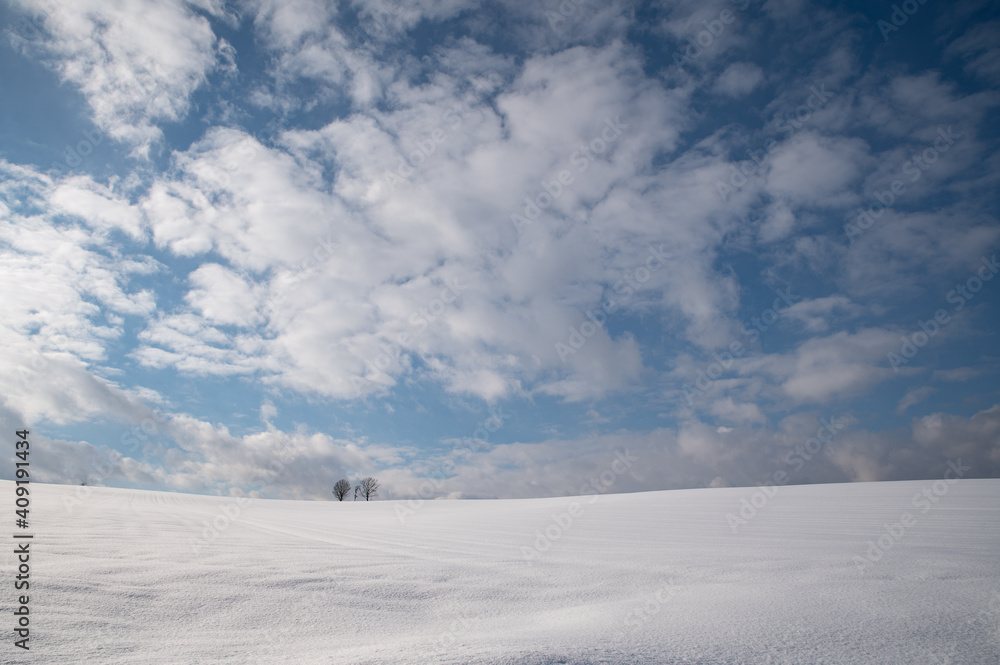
369, 487
341, 488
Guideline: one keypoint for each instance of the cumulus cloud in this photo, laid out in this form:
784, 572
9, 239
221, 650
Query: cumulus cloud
136, 62
810, 170
373, 248
67, 296
825, 367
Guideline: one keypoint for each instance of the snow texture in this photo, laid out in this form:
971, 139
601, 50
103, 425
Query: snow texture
123, 576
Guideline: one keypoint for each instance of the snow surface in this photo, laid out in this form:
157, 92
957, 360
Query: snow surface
123, 576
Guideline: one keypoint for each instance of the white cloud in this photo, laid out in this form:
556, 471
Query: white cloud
137, 62
223, 297
80, 462
960, 373
914, 396
824, 368
816, 314
737, 412
698, 455
979, 51
308, 42
974, 438
373, 250
908, 252
738, 79
66, 295
97, 206
346, 274
862, 457
816, 171
278, 464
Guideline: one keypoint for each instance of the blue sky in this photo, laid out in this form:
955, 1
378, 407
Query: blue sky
254, 247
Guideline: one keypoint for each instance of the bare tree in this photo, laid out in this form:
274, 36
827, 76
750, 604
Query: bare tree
341, 489
356, 492
368, 487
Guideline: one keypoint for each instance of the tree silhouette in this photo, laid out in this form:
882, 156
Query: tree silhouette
369, 487
341, 489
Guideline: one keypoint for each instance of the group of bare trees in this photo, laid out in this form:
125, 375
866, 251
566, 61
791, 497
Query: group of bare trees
366, 487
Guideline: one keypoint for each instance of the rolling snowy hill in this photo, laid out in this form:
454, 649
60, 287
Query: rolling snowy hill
904, 572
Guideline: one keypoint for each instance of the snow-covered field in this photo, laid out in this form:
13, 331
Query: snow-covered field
121, 576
